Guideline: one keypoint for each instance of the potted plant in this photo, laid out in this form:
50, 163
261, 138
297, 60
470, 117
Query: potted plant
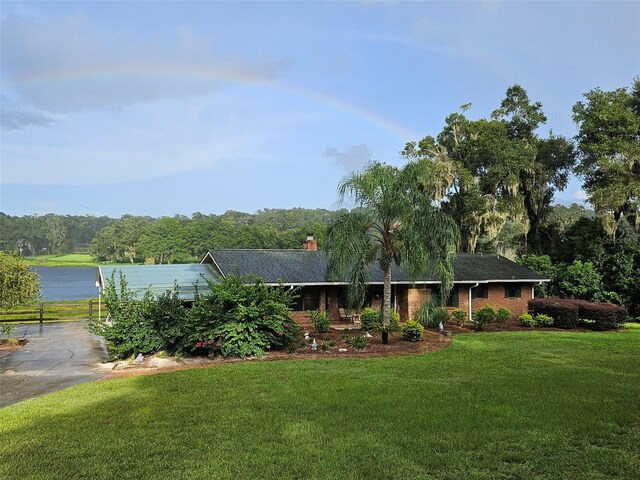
386, 328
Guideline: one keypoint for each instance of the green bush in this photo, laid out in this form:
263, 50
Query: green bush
440, 315
368, 319
563, 310
233, 318
320, 320
356, 342
483, 317
412, 331
130, 328
459, 315
544, 320
503, 315
527, 320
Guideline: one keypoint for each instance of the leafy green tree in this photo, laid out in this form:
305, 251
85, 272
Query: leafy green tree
578, 280
490, 171
395, 221
609, 145
165, 241
18, 284
542, 265
585, 240
56, 234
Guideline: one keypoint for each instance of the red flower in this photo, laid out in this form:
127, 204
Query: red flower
198, 344
210, 342
218, 344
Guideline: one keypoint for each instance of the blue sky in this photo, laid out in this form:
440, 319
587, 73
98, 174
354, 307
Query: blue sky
164, 108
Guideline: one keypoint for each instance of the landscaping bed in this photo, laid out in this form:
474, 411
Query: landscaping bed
333, 339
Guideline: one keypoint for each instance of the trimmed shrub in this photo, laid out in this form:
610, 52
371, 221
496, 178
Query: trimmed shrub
412, 331
459, 316
603, 316
369, 318
527, 320
440, 315
544, 321
483, 317
564, 311
503, 315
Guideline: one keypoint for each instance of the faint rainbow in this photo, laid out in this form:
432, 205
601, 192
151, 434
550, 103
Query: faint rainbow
220, 75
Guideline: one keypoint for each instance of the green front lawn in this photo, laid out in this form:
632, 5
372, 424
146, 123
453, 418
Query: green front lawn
513, 405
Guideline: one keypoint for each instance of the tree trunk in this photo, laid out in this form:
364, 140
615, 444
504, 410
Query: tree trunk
386, 306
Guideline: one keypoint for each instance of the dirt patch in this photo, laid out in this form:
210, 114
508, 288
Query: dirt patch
334, 347
7, 349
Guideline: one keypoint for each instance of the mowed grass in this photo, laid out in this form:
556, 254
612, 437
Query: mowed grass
518, 405
69, 260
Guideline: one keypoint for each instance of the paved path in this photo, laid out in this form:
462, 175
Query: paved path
57, 356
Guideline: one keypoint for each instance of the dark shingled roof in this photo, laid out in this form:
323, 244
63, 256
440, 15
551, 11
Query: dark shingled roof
297, 267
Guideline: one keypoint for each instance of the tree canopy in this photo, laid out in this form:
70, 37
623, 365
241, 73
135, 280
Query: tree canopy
18, 284
489, 171
395, 222
609, 145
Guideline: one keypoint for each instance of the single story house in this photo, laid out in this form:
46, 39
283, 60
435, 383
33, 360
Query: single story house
480, 279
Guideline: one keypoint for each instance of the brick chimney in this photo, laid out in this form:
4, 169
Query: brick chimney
310, 244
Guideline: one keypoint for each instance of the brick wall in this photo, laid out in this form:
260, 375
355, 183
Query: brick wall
409, 301
496, 299
415, 298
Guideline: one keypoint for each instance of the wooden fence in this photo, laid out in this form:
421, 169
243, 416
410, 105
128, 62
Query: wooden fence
55, 312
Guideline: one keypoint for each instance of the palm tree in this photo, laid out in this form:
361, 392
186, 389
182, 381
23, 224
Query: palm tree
395, 221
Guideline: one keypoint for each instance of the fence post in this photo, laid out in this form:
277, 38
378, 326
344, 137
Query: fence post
41, 312
90, 309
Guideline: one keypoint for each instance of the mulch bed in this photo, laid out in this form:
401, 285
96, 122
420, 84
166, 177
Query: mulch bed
432, 341
6, 349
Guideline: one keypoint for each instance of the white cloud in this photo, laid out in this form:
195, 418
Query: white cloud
353, 159
580, 196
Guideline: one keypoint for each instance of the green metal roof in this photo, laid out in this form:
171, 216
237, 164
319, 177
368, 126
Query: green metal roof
160, 278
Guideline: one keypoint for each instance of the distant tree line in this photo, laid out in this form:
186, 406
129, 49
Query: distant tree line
182, 239
49, 234
175, 239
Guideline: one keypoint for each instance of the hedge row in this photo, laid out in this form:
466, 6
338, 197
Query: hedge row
567, 312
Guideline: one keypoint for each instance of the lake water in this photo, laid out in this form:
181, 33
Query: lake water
67, 283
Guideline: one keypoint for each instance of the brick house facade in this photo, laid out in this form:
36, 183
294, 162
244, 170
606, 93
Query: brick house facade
479, 279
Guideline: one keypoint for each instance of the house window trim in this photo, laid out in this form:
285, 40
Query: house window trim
517, 290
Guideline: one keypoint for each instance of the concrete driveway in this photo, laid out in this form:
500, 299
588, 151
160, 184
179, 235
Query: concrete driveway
58, 355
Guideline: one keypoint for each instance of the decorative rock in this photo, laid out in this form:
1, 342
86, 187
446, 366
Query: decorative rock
139, 359
342, 350
368, 335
